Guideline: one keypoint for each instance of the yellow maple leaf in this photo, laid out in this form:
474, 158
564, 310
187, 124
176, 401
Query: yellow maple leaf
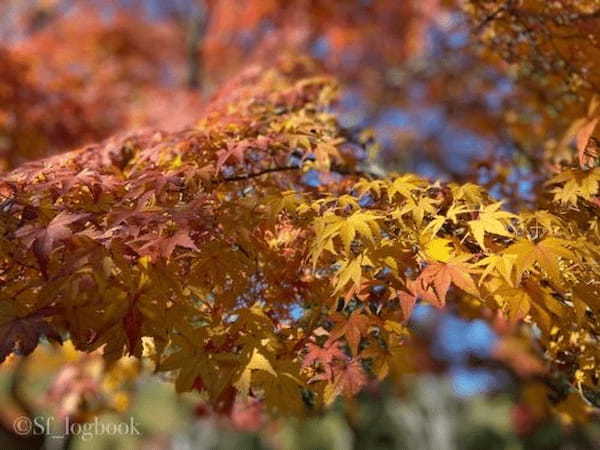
405, 186
546, 254
363, 222
575, 184
501, 263
491, 221
418, 209
438, 249
469, 192
257, 362
516, 302
349, 270
281, 392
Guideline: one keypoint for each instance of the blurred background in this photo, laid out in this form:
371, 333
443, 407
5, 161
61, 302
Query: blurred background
442, 96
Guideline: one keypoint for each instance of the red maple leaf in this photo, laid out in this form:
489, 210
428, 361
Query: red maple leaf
416, 290
324, 356
43, 239
349, 378
353, 328
233, 150
163, 246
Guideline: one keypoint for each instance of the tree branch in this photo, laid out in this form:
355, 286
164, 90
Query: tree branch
256, 174
196, 27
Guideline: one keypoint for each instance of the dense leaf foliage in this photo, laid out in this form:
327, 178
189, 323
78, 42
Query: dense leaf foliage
213, 251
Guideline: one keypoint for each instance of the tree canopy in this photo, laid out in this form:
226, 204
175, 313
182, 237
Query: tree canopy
272, 248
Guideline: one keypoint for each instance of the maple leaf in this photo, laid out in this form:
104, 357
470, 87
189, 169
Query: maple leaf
327, 227
469, 192
257, 361
408, 300
42, 240
374, 186
546, 254
491, 221
22, 333
577, 184
349, 271
543, 218
439, 249
348, 380
582, 140
324, 356
516, 302
502, 264
452, 214
381, 358
282, 201
282, 392
365, 223
404, 185
441, 275
353, 328
141, 213
416, 290
234, 150
164, 246
215, 371
418, 209
582, 130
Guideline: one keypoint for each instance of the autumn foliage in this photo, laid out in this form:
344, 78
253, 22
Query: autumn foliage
257, 253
